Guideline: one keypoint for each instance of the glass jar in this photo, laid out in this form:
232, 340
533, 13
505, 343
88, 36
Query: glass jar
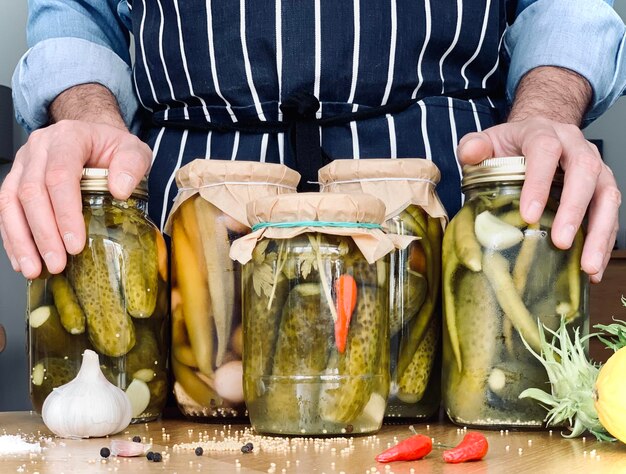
315, 314
407, 187
207, 335
111, 298
501, 278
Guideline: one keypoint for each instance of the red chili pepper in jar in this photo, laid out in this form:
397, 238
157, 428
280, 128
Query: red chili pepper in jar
473, 448
410, 449
346, 293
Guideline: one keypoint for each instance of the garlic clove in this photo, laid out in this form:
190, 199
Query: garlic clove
494, 233
228, 381
87, 406
128, 449
139, 394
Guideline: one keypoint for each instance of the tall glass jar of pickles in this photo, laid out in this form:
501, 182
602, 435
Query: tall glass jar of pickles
407, 187
111, 298
315, 314
208, 215
502, 277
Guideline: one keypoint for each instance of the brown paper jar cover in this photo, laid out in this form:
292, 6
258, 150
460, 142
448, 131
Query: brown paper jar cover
398, 182
320, 207
230, 185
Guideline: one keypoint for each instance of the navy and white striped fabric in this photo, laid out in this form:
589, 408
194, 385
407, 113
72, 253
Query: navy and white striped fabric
225, 61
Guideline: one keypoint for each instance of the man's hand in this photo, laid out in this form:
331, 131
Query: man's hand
40, 200
548, 143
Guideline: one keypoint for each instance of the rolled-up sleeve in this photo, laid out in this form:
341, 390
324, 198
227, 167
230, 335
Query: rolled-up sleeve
585, 36
71, 43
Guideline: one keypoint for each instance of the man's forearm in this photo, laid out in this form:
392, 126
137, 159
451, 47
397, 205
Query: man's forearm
553, 93
89, 103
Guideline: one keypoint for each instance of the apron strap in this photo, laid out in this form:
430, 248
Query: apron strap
299, 109
302, 126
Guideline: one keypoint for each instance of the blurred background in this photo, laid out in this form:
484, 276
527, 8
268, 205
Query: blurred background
609, 131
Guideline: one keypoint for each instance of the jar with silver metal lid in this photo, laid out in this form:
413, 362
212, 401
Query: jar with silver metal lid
502, 278
111, 298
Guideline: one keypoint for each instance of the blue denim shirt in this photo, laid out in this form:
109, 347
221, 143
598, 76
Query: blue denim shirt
586, 36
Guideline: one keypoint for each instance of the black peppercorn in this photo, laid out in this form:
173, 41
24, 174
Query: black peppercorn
156, 457
250, 446
149, 455
105, 452
199, 451
137, 439
245, 448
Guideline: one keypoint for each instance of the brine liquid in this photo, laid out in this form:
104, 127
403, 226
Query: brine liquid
307, 405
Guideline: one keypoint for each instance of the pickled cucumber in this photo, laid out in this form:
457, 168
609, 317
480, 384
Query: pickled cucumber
496, 268
158, 393
413, 288
478, 320
343, 399
48, 374
260, 342
466, 245
47, 333
72, 316
355, 264
94, 276
140, 271
305, 318
145, 354
451, 264
418, 326
37, 294
302, 348
413, 382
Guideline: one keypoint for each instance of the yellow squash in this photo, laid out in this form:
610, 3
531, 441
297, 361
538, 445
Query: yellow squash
610, 395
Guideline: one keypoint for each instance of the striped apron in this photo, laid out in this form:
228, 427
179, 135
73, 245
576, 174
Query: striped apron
409, 78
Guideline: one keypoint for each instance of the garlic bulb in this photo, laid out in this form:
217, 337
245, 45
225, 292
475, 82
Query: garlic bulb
88, 406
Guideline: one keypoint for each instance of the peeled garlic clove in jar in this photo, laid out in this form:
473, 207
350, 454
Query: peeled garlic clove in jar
495, 234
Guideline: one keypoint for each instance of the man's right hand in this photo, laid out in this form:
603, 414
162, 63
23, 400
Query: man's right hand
40, 199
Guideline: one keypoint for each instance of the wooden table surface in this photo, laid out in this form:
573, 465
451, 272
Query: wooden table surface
509, 452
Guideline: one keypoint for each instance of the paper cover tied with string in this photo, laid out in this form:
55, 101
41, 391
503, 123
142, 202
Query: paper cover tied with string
230, 185
398, 182
359, 216
209, 212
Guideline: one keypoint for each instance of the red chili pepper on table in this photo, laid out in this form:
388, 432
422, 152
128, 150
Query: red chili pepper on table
410, 449
473, 448
345, 297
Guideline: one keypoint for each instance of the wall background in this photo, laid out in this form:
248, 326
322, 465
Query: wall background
13, 370
611, 128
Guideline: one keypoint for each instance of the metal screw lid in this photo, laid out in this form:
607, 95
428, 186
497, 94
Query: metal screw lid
501, 169
96, 180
